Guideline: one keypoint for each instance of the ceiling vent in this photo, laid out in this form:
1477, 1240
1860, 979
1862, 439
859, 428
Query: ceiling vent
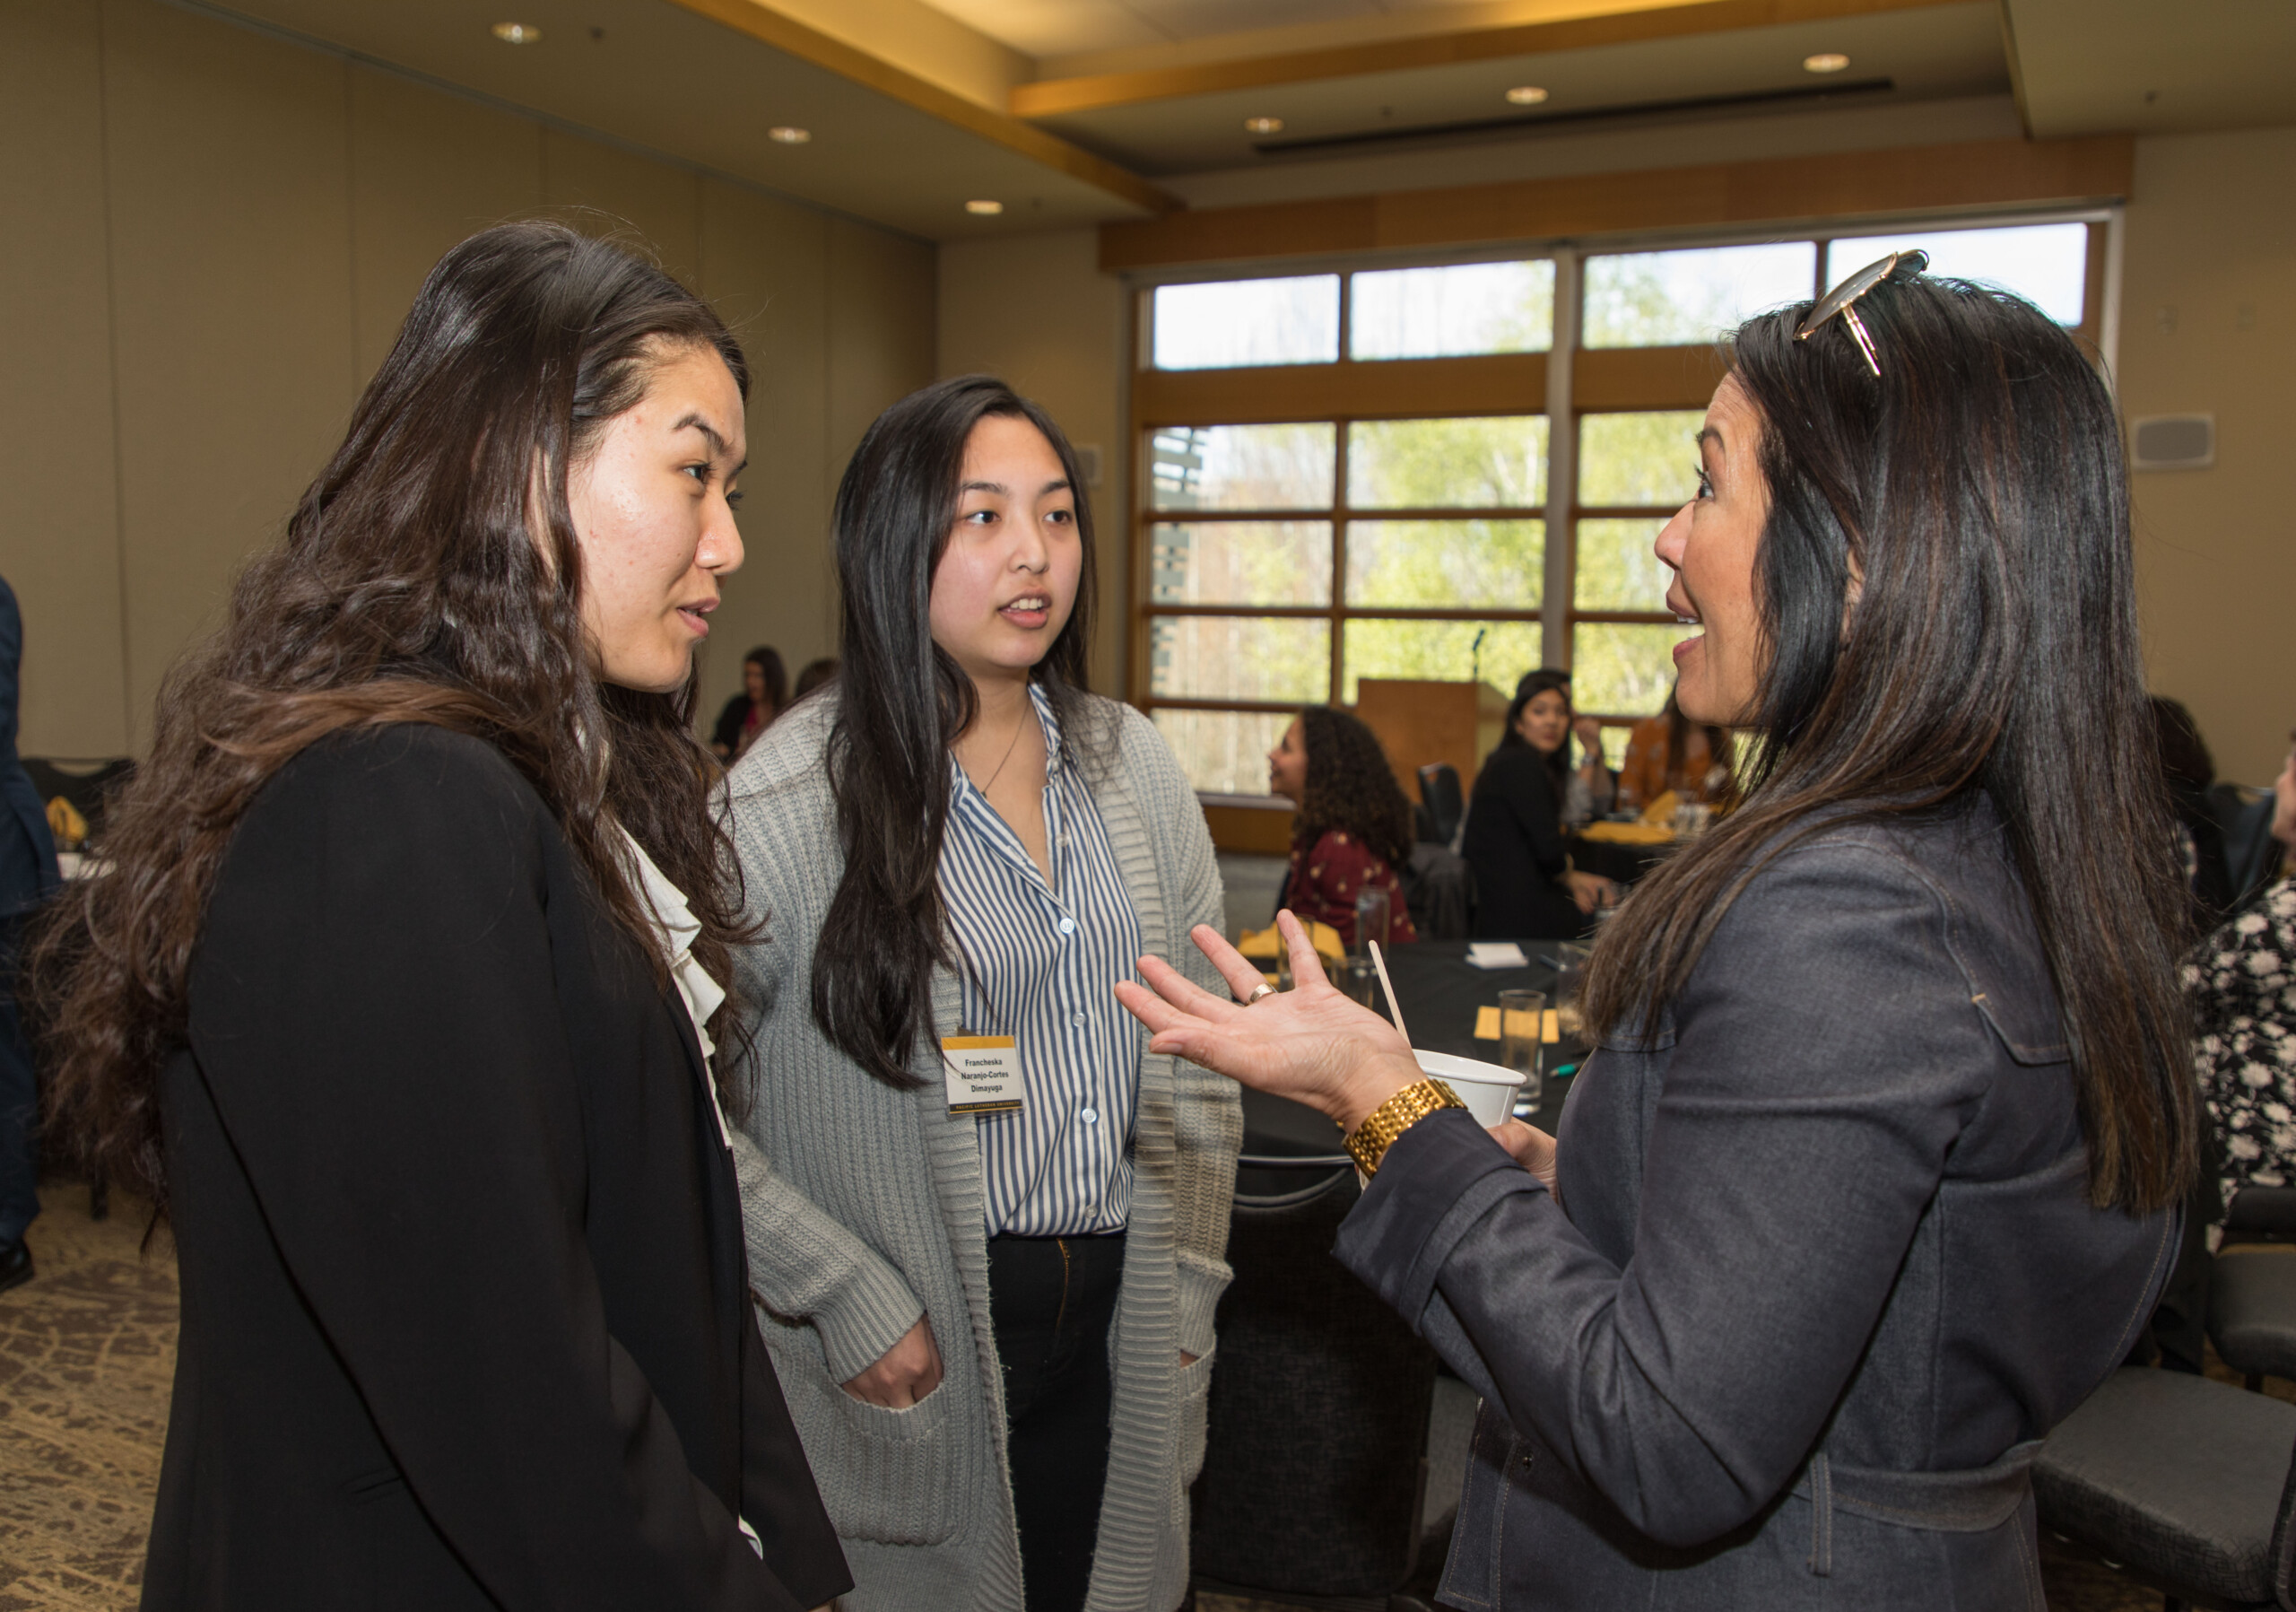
2172, 442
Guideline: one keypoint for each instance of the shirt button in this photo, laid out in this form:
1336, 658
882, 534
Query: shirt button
1090, 1116
1076, 1018
1068, 925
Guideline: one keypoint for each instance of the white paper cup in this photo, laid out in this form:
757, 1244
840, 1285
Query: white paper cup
1488, 1090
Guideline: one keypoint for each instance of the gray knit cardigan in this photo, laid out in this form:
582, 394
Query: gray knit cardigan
863, 1210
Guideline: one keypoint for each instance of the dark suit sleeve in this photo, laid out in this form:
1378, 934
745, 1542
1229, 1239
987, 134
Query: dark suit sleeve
11, 655
373, 1010
1803, 1127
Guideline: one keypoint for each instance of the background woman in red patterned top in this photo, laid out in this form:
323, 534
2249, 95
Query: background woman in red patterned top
1353, 827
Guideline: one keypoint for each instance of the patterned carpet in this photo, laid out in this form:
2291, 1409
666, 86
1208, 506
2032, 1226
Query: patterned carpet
86, 1353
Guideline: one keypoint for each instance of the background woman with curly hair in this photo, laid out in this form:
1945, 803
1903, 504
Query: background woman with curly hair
1353, 826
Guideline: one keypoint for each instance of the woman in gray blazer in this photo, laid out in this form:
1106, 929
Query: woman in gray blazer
1870, 1181
986, 1226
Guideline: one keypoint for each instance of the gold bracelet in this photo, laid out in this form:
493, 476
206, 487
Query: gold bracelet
1369, 1141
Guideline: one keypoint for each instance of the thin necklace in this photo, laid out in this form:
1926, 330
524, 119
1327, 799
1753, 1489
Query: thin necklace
1015, 745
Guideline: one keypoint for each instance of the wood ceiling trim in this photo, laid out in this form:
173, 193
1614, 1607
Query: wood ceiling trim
1664, 19
792, 38
1979, 174
1510, 383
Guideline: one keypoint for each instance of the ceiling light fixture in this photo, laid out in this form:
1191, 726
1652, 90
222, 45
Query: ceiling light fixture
1825, 61
785, 134
517, 33
1264, 125
1526, 95
985, 209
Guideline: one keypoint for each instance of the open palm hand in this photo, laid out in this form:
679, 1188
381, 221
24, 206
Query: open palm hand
1310, 1044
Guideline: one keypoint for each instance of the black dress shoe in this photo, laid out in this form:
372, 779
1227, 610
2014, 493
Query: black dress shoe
15, 1267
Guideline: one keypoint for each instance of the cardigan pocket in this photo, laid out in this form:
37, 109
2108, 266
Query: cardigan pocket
888, 1480
1195, 1399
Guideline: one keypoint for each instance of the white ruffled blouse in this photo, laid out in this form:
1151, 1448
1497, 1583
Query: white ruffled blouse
674, 922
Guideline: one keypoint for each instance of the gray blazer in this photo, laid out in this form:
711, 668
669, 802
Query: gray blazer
1822, 1271
863, 1209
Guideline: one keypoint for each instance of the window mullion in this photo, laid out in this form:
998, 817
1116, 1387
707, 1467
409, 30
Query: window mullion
1562, 465
1338, 552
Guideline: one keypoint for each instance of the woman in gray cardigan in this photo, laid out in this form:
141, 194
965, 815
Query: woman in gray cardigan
1872, 1178
986, 1226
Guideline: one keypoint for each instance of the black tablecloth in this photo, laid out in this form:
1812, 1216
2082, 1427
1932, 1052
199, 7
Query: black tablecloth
1441, 994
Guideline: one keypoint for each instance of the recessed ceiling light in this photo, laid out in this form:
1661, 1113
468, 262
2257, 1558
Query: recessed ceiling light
985, 209
1825, 61
1264, 125
1526, 95
517, 33
784, 135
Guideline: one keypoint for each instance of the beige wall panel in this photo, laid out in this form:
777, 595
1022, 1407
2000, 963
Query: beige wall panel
764, 263
1038, 312
59, 515
2208, 326
230, 247
881, 316
427, 169
604, 190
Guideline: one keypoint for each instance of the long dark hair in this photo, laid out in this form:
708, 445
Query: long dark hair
901, 702
767, 661
1350, 787
1977, 489
412, 585
1556, 762
1678, 726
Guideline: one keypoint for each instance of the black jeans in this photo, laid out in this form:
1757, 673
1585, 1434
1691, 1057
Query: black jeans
1051, 1301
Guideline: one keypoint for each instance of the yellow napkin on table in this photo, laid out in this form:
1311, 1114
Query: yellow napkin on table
1486, 1025
1267, 945
1657, 827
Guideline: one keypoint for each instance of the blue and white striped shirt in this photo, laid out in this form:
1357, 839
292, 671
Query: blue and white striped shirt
1038, 964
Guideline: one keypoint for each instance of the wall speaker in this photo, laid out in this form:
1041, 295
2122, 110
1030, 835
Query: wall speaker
2172, 442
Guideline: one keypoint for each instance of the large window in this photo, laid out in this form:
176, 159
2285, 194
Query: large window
1400, 472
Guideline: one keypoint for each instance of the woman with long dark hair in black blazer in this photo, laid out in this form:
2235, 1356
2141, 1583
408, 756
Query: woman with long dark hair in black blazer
395, 997
1525, 886
1872, 1178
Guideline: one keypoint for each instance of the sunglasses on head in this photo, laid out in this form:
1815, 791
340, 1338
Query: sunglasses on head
1841, 301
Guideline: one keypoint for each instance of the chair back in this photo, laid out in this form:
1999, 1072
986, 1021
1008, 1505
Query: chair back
1439, 890
2245, 814
1314, 1455
1442, 802
2261, 1215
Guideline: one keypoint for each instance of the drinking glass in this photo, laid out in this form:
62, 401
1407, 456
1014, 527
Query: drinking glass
1522, 1015
1569, 980
1371, 916
1359, 980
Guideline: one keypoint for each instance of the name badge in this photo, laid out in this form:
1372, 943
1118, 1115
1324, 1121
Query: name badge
983, 1073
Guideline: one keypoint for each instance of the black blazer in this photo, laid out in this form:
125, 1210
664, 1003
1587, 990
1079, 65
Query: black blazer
1830, 1228
466, 1314
1514, 843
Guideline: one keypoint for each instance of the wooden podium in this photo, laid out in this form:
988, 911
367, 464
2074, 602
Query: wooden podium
1422, 723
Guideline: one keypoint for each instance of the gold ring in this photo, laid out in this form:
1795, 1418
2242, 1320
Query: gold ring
1264, 990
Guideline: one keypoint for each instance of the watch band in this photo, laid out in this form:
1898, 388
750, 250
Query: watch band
1367, 1141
